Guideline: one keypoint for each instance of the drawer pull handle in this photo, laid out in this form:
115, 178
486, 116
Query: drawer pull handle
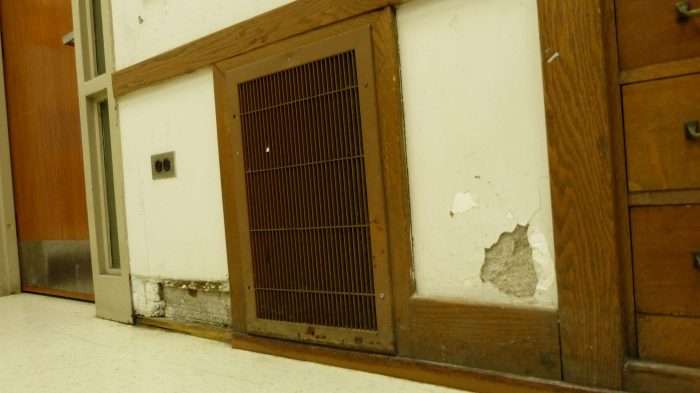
691, 130
696, 258
684, 11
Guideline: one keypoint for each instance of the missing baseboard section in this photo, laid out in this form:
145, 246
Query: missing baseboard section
194, 302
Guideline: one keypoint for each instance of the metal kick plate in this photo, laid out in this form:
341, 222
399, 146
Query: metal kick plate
56, 264
163, 165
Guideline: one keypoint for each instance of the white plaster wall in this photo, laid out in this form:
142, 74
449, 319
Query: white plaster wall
145, 28
476, 141
474, 121
175, 225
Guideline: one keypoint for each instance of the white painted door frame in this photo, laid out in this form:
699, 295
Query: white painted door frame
112, 284
9, 259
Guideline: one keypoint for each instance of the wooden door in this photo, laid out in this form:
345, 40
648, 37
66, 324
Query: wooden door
45, 143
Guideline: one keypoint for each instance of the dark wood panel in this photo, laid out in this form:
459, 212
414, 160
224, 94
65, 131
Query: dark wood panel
513, 340
193, 329
647, 377
411, 369
650, 32
661, 71
665, 277
577, 81
44, 124
666, 339
659, 155
295, 18
656, 198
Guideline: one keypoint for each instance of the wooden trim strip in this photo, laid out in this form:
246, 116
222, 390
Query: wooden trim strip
192, 329
656, 198
292, 19
400, 367
522, 341
9, 256
86, 297
576, 62
660, 71
648, 377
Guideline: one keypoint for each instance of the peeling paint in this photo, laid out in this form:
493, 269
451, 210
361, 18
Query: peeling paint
509, 265
542, 258
147, 297
463, 202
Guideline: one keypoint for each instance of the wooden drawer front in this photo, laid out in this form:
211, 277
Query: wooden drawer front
649, 32
659, 155
666, 280
674, 340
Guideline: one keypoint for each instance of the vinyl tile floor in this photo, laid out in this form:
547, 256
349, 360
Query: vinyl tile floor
57, 345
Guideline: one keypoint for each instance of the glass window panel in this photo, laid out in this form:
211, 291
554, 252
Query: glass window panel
106, 137
100, 67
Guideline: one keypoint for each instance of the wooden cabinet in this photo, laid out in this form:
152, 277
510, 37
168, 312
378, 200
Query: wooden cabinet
664, 240
651, 32
661, 112
660, 154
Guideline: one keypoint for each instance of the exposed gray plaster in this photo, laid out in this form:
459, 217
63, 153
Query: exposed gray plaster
206, 302
201, 306
509, 266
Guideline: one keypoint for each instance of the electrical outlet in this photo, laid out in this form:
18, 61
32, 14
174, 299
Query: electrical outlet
163, 165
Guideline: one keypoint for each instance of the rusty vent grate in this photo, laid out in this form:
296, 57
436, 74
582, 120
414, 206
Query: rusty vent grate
307, 197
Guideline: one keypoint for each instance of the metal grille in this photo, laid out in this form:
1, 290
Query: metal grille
307, 197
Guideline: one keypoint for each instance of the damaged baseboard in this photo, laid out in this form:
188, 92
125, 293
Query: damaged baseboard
197, 302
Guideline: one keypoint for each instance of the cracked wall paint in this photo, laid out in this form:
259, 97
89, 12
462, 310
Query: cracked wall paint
475, 124
463, 201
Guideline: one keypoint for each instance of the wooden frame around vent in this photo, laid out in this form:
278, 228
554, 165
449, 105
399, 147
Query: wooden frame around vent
349, 303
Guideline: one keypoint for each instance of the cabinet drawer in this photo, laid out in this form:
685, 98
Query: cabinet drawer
674, 340
649, 32
660, 156
666, 280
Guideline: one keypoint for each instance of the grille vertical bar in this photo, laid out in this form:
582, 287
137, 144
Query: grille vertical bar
307, 196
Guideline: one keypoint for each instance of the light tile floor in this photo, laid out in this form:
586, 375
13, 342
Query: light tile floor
56, 345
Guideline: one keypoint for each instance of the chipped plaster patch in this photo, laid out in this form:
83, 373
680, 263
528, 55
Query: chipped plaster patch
463, 202
509, 264
147, 297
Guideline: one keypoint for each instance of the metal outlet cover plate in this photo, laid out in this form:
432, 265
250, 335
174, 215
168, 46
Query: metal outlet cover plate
163, 165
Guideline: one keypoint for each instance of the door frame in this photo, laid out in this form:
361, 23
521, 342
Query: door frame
9, 258
113, 299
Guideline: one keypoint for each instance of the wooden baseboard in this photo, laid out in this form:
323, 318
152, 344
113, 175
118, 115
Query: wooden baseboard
523, 341
415, 370
648, 377
193, 329
86, 297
